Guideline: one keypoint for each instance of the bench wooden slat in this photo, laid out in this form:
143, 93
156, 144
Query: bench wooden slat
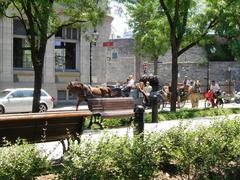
32, 126
111, 108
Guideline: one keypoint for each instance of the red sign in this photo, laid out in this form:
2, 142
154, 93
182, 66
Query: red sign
145, 65
108, 44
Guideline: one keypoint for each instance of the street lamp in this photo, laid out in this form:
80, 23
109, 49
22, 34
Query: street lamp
93, 39
230, 79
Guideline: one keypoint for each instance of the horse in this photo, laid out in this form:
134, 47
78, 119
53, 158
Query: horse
184, 92
80, 89
84, 91
194, 92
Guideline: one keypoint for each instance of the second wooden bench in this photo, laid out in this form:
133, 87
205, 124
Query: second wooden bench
105, 108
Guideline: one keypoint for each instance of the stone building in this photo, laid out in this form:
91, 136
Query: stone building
67, 58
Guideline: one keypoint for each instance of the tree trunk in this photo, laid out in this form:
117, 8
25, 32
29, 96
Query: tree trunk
38, 74
174, 79
37, 88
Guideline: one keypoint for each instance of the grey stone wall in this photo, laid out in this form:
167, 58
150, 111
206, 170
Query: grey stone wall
121, 61
189, 65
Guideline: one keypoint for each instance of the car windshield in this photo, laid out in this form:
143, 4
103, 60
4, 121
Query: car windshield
3, 93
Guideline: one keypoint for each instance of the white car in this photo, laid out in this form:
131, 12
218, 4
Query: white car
21, 99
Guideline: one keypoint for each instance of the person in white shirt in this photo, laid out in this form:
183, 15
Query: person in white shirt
186, 81
148, 88
215, 88
130, 85
131, 81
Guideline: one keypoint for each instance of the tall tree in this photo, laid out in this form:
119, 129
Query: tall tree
146, 26
43, 18
189, 22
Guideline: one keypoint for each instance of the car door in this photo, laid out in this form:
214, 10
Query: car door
28, 99
16, 101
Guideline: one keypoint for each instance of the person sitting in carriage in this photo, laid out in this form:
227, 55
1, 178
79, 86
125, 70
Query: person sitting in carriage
130, 85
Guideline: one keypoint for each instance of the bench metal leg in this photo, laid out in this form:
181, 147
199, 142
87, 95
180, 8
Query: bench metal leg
96, 120
90, 123
64, 146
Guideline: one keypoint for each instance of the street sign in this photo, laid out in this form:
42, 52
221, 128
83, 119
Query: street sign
108, 44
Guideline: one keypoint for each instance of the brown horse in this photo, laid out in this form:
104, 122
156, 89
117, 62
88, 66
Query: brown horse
83, 91
194, 92
80, 89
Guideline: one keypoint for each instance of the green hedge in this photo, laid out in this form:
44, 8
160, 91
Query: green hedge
204, 153
21, 161
167, 115
211, 152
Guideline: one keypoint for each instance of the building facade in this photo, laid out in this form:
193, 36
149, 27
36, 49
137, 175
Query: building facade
67, 58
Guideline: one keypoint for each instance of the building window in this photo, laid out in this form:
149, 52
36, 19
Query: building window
18, 28
65, 55
61, 94
67, 33
65, 49
72, 96
114, 55
21, 53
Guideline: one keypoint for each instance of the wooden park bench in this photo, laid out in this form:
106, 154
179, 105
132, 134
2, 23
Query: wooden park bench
42, 127
106, 108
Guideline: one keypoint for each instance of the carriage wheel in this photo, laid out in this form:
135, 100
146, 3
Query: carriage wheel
161, 104
219, 103
180, 103
207, 104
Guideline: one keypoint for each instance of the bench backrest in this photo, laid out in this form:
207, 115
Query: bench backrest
110, 104
35, 127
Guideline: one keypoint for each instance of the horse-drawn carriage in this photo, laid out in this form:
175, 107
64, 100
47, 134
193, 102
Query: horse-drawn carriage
161, 97
184, 92
84, 92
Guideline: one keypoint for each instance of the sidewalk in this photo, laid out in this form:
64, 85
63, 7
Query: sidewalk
54, 149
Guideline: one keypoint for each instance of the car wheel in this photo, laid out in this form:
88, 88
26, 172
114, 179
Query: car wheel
2, 110
42, 107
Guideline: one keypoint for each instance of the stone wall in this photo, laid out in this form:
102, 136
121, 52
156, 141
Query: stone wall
121, 61
189, 65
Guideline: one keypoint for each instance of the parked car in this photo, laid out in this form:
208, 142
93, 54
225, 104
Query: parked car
20, 100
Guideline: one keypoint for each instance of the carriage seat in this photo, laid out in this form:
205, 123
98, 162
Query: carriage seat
105, 108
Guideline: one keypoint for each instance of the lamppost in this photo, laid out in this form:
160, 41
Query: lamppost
208, 78
230, 79
93, 39
213, 51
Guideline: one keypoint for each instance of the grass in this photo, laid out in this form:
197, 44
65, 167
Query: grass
193, 113
167, 115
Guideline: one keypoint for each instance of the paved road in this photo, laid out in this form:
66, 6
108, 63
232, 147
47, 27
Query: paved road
187, 105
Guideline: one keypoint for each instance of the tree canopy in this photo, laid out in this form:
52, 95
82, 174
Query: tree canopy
43, 18
182, 24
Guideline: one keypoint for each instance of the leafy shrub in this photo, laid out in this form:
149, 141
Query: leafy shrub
111, 158
206, 152
21, 161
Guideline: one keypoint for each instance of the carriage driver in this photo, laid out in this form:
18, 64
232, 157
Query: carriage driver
130, 85
186, 81
131, 82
